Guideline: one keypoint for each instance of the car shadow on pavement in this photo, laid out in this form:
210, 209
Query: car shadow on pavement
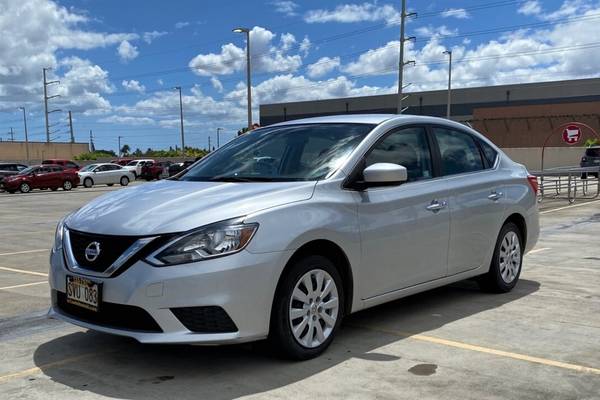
120, 367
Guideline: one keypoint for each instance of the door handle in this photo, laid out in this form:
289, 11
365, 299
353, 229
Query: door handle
495, 195
436, 206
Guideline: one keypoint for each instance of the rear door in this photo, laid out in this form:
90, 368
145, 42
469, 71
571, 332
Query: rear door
477, 200
42, 178
113, 173
404, 229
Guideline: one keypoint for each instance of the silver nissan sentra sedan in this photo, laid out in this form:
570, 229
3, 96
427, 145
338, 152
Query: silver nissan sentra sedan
287, 229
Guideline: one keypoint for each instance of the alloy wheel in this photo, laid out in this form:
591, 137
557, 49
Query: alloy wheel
510, 257
67, 185
25, 188
313, 308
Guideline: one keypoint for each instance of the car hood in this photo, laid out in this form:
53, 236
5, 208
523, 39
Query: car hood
175, 206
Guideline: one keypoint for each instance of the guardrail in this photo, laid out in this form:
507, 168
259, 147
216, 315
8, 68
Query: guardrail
553, 183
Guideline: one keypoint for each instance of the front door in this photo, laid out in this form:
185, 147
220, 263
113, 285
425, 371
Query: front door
404, 229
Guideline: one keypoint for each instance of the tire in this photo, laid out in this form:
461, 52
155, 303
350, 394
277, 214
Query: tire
24, 188
317, 318
110, 184
67, 185
54, 189
88, 182
124, 181
507, 261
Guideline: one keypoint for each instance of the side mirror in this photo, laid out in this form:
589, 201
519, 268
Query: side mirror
385, 174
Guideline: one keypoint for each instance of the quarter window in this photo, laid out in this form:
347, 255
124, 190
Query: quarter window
488, 153
459, 151
407, 147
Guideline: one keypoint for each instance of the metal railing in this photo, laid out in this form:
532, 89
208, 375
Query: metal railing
569, 182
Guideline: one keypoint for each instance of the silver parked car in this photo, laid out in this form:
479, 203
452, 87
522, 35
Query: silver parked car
105, 174
287, 229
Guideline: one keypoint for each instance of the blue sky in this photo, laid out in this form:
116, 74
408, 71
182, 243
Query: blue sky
118, 61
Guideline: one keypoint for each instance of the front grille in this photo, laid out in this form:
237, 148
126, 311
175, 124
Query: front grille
209, 319
109, 315
111, 248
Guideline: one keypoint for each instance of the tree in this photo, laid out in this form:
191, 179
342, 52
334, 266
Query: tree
125, 149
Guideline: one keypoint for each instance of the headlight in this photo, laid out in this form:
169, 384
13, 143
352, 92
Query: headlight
58, 235
211, 241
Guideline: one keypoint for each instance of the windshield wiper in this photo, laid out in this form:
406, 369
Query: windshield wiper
231, 179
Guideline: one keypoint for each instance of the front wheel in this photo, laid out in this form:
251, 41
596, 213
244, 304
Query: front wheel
67, 185
124, 181
24, 188
505, 268
308, 308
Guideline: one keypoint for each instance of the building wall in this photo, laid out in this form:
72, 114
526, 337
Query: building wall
13, 151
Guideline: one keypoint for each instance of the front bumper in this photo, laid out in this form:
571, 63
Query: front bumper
243, 285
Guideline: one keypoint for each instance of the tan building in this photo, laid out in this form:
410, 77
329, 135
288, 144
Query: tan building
38, 151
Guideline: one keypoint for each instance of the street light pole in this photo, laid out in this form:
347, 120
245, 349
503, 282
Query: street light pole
26, 136
449, 53
248, 73
218, 139
181, 120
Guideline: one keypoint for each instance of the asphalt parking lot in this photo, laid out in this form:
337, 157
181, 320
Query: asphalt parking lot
541, 341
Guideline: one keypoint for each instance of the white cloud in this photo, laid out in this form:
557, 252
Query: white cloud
286, 7
127, 51
265, 56
181, 24
459, 13
133, 86
323, 66
127, 120
149, 37
160, 82
305, 46
347, 13
216, 83
532, 7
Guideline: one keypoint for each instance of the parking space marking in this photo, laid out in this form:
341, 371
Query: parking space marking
487, 350
567, 207
22, 271
538, 250
23, 252
37, 370
23, 285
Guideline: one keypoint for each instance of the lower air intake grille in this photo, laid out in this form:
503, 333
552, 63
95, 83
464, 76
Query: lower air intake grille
109, 315
209, 319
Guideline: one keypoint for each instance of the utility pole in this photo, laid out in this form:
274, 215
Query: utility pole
248, 73
209, 148
218, 134
401, 63
46, 98
119, 138
181, 120
449, 53
12, 134
92, 147
71, 128
26, 136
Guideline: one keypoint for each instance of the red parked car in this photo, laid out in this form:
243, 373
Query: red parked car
122, 161
47, 176
66, 164
155, 170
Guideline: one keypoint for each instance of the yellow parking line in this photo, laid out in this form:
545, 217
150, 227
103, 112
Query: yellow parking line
22, 271
23, 285
571, 206
36, 370
24, 252
487, 350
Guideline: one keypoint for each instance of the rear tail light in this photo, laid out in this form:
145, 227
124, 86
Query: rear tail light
533, 182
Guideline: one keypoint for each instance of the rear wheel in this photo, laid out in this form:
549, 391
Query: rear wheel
124, 181
109, 184
308, 308
54, 189
67, 185
507, 261
24, 188
88, 182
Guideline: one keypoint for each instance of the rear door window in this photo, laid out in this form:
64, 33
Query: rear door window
460, 154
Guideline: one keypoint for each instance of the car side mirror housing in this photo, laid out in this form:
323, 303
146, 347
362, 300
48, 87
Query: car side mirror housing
384, 174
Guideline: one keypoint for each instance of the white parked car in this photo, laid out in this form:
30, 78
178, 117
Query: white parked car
105, 174
135, 166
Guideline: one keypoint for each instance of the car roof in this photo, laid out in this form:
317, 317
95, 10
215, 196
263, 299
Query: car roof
375, 119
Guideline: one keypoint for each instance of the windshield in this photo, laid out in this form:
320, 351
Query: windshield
286, 153
88, 168
27, 171
593, 152
132, 163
